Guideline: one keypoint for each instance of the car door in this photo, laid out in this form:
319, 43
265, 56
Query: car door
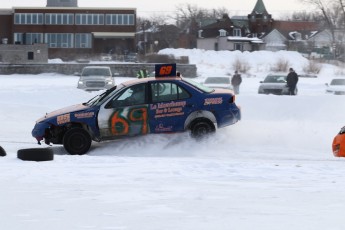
170, 105
126, 114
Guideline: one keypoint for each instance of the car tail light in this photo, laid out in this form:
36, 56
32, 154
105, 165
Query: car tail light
232, 99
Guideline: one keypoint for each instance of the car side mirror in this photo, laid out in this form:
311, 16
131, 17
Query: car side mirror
76, 74
116, 74
326, 84
261, 81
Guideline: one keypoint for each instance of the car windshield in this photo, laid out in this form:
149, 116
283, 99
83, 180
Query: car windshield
199, 85
275, 79
217, 80
96, 72
103, 96
338, 82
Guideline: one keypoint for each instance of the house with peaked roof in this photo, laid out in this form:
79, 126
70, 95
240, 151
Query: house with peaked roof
238, 33
259, 31
226, 34
290, 35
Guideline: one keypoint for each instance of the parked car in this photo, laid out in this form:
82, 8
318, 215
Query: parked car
163, 104
218, 82
337, 86
338, 145
94, 78
106, 57
274, 84
131, 57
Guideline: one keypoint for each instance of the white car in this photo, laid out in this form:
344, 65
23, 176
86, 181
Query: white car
93, 78
274, 84
218, 82
337, 86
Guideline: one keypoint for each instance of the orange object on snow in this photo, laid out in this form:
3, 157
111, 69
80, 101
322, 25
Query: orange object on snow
338, 145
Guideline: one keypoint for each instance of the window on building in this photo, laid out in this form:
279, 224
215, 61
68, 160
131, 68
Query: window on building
89, 19
59, 19
83, 41
238, 46
28, 18
237, 32
59, 40
18, 38
30, 55
200, 33
28, 38
119, 19
222, 33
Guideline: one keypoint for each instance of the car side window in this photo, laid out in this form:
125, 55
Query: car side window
133, 95
167, 91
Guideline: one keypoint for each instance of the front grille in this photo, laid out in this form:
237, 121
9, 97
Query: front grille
273, 91
95, 84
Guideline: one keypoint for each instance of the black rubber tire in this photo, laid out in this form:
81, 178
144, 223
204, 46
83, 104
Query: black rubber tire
2, 152
36, 154
201, 129
77, 141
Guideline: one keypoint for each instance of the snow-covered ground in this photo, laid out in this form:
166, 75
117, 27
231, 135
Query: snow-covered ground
272, 170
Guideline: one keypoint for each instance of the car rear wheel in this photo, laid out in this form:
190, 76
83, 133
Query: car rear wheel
202, 128
77, 141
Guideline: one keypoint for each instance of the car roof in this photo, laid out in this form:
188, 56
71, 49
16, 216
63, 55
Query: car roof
145, 80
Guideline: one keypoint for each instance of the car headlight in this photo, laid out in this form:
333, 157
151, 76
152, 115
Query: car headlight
80, 82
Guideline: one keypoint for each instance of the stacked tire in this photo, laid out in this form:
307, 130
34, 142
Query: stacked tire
36, 154
2, 152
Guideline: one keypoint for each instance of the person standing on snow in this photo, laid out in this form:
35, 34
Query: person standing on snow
291, 81
236, 80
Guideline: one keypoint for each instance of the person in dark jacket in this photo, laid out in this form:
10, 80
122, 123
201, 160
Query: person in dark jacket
291, 81
236, 80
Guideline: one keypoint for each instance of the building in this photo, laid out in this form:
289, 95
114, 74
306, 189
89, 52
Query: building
227, 34
69, 31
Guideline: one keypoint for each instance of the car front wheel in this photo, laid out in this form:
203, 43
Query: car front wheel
77, 141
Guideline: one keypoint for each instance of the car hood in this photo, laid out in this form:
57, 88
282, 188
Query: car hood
69, 109
91, 77
273, 85
223, 86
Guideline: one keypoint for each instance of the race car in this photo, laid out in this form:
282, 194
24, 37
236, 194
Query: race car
338, 145
166, 103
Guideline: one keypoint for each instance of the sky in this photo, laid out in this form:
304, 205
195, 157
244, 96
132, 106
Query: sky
150, 7
272, 170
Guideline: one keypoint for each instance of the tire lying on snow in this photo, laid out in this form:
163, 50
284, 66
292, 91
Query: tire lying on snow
2, 152
36, 154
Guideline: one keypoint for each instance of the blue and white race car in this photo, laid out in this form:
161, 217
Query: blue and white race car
165, 103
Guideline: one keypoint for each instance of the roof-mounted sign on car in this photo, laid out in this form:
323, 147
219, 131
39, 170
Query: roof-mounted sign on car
165, 70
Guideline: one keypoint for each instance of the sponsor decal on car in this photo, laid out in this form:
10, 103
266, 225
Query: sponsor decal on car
63, 119
84, 115
161, 128
213, 101
170, 109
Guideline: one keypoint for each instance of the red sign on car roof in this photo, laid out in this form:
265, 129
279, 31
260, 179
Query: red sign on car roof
165, 70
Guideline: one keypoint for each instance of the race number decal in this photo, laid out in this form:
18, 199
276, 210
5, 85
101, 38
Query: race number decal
165, 70
121, 124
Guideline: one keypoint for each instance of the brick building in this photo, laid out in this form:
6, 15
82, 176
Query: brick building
70, 31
